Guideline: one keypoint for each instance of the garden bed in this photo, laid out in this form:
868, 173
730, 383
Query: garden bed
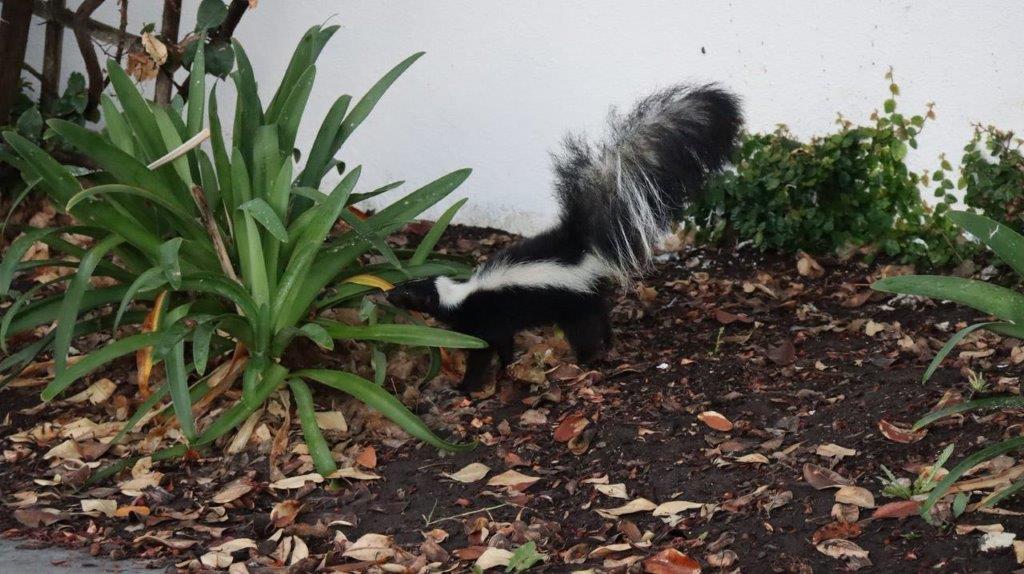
802, 367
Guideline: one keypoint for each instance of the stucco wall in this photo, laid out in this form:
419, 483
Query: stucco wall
502, 81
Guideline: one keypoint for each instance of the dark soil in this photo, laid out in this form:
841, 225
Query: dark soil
785, 357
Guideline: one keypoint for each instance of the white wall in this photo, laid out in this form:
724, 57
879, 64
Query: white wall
503, 81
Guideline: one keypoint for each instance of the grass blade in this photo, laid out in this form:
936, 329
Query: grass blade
950, 344
1007, 402
265, 215
1004, 241
177, 382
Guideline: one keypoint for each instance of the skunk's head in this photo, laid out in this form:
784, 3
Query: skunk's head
420, 295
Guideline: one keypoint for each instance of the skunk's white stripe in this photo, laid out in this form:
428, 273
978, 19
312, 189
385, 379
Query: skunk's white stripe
581, 278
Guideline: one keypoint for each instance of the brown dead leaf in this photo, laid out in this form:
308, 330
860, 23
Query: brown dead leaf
715, 420
671, 561
854, 556
371, 548
843, 530
898, 509
783, 354
900, 434
855, 495
285, 512
469, 473
38, 517
571, 427
367, 458
807, 266
513, 479
233, 490
631, 507
821, 478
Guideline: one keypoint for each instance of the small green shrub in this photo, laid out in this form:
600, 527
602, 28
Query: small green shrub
836, 192
991, 176
224, 254
1005, 304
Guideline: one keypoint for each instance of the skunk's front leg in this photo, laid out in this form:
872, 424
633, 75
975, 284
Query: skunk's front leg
590, 335
478, 370
478, 364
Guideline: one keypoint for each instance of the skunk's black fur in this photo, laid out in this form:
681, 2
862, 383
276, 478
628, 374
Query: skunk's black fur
617, 199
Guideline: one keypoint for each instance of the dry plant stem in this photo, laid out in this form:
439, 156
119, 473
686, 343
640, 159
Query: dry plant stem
98, 30
230, 373
14, 26
169, 30
211, 228
53, 50
92, 62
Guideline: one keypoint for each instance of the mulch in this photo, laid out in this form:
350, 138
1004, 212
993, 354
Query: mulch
740, 424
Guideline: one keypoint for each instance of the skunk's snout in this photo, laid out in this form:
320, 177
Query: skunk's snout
420, 295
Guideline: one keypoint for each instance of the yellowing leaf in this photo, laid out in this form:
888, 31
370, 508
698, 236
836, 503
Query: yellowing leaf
144, 356
637, 505
470, 473
371, 281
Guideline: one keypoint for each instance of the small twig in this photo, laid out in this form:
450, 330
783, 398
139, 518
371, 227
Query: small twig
192, 143
464, 514
169, 30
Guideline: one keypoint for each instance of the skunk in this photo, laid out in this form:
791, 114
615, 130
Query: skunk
617, 201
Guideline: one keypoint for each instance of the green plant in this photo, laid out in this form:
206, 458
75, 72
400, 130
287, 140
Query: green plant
991, 175
230, 251
838, 192
923, 484
1005, 304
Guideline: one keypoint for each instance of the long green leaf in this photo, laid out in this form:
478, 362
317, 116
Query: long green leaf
261, 211
415, 203
137, 112
169, 203
366, 104
117, 128
291, 113
950, 344
956, 472
70, 307
149, 279
1004, 303
1004, 241
434, 235
319, 450
177, 382
321, 151
1008, 402
413, 335
377, 398
104, 355
56, 179
288, 304
197, 89
302, 59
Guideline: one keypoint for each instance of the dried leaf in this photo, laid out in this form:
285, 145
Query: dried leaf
571, 427
900, 434
95, 506
296, 481
371, 548
332, 421
856, 496
233, 491
493, 557
617, 490
897, 509
513, 479
470, 473
807, 266
367, 458
671, 561
285, 512
715, 420
821, 478
353, 473
854, 556
633, 506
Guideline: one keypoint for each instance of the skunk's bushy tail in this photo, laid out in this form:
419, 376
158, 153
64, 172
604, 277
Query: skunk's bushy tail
621, 195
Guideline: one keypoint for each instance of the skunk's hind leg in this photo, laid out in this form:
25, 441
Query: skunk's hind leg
589, 334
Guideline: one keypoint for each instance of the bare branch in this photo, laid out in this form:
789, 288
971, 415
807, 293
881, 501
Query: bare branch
92, 63
169, 31
53, 52
102, 32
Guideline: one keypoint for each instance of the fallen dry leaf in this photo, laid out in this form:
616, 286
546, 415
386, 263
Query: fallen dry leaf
233, 491
833, 530
830, 450
821, 478
856, 495
285, 512
371, 548
493, 557
807, 266
513, 479
367, 458
897, 509
715, 420
617, 490
854, 556
470, 473
671, 561
353, 473
571, 427
296, 481
636, 505
900, 434
331, 421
